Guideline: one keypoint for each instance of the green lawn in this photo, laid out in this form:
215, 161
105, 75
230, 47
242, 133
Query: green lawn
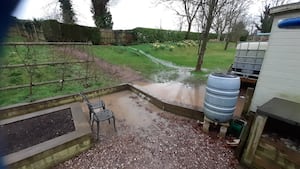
182, 53
185, 55
124, 56
41, 54
215, 58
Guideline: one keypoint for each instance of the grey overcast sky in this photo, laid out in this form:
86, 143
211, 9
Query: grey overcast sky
126, 14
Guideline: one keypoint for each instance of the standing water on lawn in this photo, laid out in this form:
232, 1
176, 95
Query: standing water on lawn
170, 86
177, 73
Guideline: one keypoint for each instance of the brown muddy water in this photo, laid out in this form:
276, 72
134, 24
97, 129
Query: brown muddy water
182, 94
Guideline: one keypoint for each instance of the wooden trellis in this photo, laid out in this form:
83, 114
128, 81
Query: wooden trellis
31, 65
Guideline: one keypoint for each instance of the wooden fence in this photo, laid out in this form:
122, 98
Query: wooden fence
30, 65
116, 37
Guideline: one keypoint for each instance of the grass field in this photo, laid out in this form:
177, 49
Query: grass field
215, 57
42, 54
120, 55
215, 60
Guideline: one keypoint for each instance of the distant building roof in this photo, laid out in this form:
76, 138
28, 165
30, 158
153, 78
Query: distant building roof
285, 8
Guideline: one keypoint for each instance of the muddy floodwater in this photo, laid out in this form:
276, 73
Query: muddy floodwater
175, 92
183, 94
148, 137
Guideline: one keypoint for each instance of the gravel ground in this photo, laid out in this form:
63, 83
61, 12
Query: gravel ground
169, 142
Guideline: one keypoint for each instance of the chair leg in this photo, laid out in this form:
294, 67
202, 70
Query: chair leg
108, 121
91, 119
92, 125
114, 123
97, 130
90, 116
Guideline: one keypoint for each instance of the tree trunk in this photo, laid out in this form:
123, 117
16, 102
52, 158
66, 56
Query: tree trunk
226, 44
187, 35
202, 46
205, 34
219, 36
226, 40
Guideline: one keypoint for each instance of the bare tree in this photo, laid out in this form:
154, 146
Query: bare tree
266, 19
235, 10
184, 8
220, 23
180, 23
210, 8
53, 11
238, 31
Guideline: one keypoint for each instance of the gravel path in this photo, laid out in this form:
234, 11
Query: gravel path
168, 142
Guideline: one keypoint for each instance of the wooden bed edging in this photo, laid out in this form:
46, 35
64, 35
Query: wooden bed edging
24, 108
186, 111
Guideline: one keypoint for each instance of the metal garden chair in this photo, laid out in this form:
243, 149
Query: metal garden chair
101, 115
97, 105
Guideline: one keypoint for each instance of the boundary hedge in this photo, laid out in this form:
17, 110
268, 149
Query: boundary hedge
148, 35
57, 32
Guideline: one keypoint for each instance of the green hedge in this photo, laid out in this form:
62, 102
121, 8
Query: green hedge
57, 32
147, 35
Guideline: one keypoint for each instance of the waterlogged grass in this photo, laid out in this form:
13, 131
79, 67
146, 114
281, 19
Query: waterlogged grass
182, 54
215, 59
123, 56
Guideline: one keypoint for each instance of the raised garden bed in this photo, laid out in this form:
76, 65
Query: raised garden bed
45, 138
26, 133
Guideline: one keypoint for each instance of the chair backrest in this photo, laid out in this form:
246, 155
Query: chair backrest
85, 99
92, 112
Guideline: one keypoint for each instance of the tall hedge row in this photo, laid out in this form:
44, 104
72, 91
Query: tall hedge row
147, 35
56, 32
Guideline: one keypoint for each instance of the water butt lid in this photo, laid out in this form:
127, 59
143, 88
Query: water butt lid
225, 75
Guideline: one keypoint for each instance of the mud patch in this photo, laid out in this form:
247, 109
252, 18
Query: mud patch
122, 73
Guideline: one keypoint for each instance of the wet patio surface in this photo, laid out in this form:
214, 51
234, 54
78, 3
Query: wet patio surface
182, 94
148, 137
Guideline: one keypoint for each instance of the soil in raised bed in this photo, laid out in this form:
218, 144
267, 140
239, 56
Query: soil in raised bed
25, 133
